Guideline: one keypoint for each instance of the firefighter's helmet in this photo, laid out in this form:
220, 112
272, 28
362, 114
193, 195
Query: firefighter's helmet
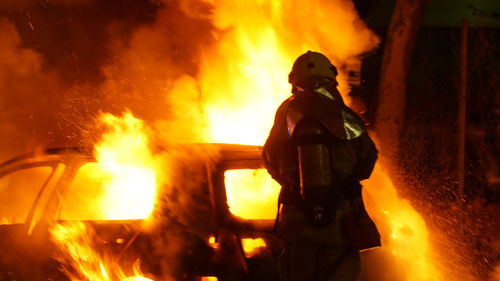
309, 66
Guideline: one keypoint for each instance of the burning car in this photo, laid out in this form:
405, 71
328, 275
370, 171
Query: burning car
53, 228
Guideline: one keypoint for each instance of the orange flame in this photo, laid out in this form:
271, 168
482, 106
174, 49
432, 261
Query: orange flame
124, 154
250, 245
209, 278
244, 79
75, 241
404, 232
252, 194
121, 185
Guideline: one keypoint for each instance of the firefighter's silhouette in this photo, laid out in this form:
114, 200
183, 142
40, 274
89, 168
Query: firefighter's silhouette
319, 150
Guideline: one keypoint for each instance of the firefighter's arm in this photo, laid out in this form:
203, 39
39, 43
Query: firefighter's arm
274, 149
269, 158
367, 154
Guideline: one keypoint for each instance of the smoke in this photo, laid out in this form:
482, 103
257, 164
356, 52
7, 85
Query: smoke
183, 218
24, 4
28, 96
53, 87
152, 74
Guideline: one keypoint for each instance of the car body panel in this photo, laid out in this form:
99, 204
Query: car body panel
29, 245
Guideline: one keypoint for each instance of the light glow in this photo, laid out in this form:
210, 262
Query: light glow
209, 278
250, 245
252, 194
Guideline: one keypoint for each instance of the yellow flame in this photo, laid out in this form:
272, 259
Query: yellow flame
121, 185
250, 245
110, 192
80, 258
212, 243
404, 231
209, 278
253, 79
252, 194
244, 78
124, 157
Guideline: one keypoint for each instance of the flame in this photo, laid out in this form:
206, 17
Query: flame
103, 191
209, 278
124, 155
244, 78
82, 261
212, 243
252, 194
121, 185
404, 232
250, 245
252, 82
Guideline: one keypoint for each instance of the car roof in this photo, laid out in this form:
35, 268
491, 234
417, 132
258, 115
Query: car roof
231, 156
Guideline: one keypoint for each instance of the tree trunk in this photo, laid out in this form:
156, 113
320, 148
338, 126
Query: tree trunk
398, 49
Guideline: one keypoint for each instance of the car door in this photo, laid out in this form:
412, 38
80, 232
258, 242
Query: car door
24, 190
245, 201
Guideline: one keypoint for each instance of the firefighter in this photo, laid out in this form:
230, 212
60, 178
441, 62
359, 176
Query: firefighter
319, 151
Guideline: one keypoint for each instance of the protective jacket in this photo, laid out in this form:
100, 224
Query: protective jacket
354, 153
350, 153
